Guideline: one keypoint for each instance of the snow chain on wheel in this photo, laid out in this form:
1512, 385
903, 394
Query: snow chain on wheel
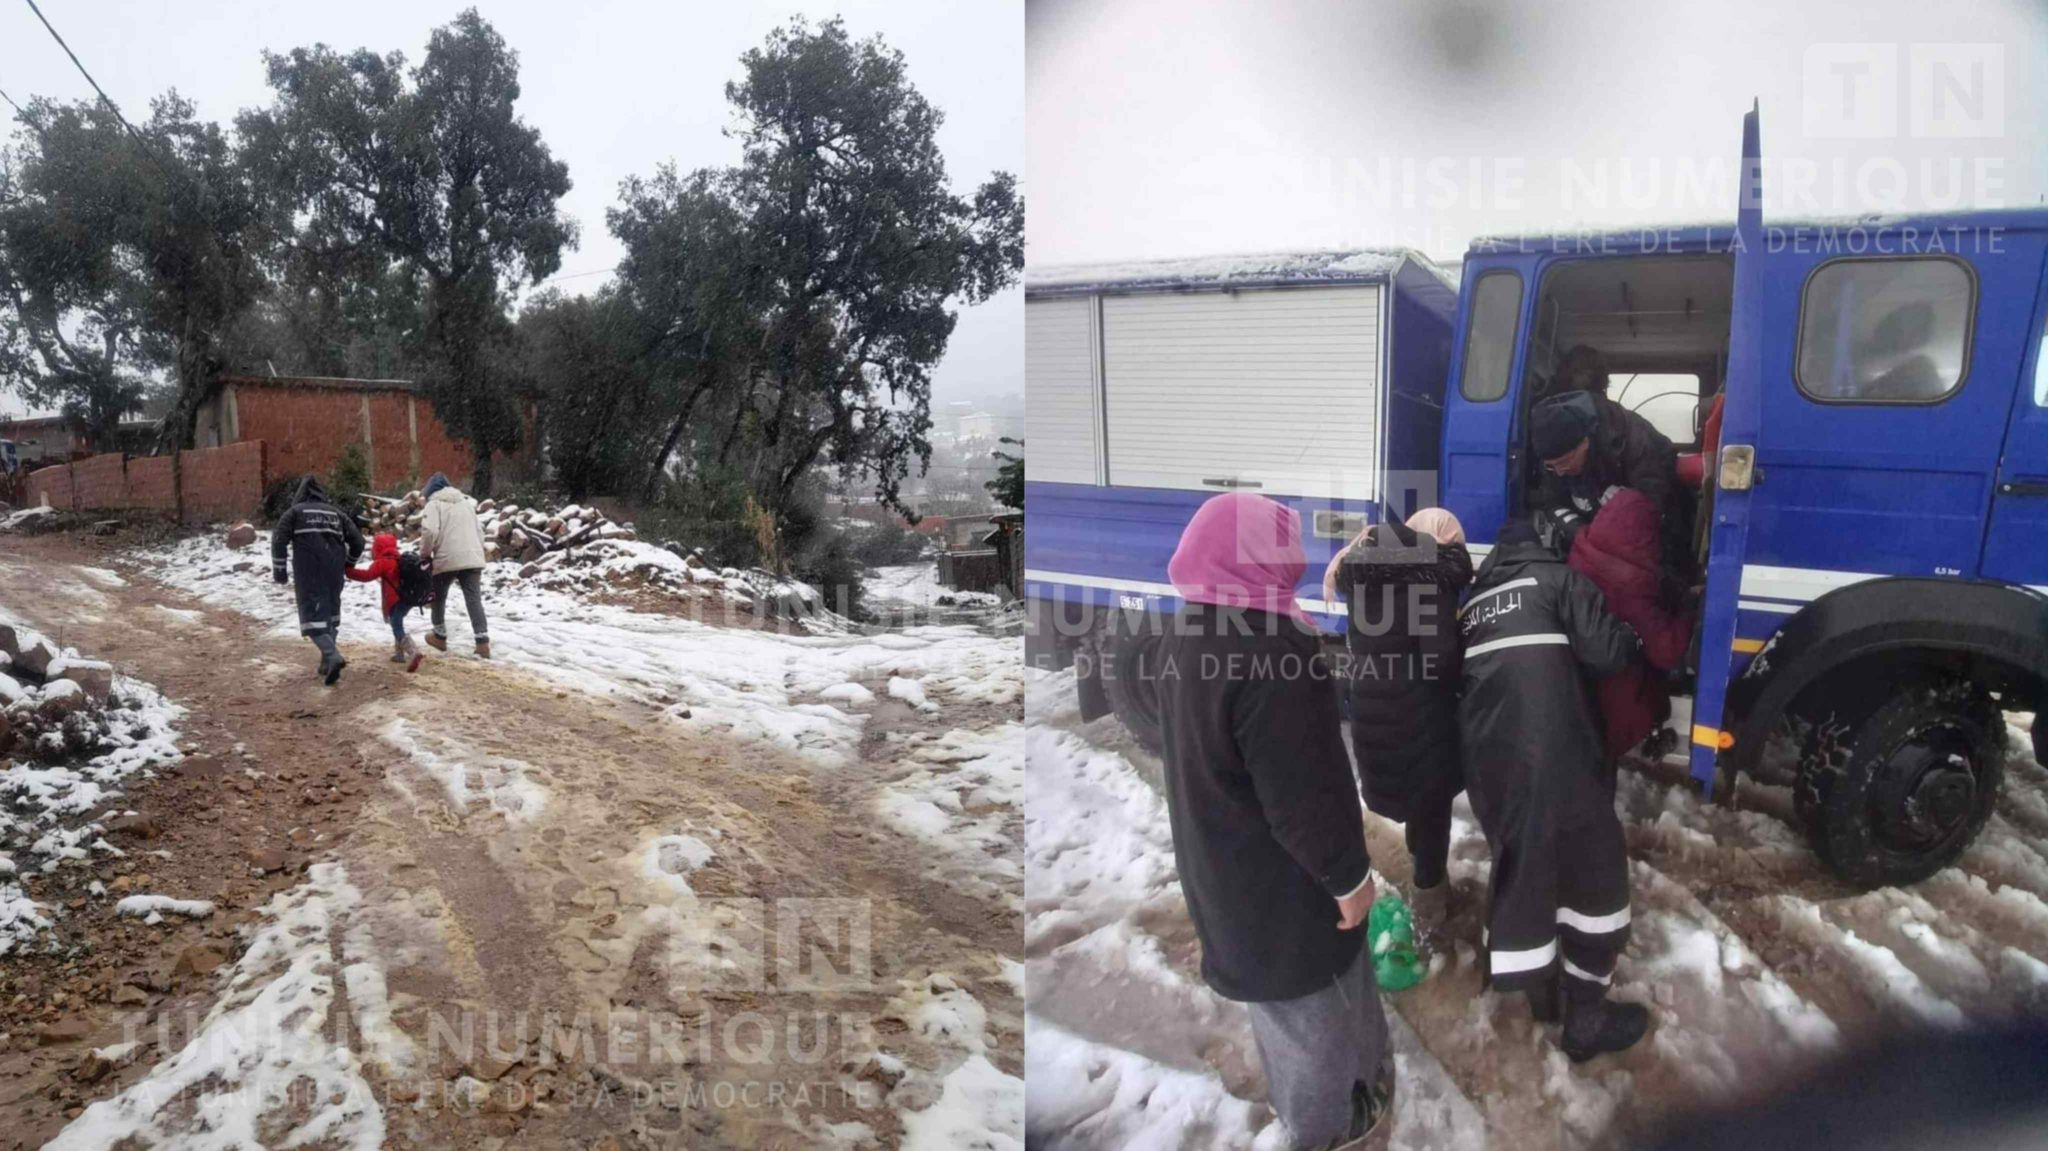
1134, 689
1895, 794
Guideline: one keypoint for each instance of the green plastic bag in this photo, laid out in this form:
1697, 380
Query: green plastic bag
1390, 932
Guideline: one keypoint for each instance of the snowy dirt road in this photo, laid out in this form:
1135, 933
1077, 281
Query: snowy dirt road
1758, 962
639, 882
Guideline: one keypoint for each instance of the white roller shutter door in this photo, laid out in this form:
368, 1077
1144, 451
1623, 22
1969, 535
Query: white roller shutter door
1275, 391
1062, 396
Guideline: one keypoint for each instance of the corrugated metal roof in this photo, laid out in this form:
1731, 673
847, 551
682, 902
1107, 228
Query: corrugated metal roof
1354, 266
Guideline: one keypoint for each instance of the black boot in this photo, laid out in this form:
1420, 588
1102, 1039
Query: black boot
1544, 1005
1595, 1025
1370, 1106
333, 669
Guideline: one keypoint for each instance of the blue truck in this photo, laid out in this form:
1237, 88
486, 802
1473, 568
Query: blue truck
1873, 516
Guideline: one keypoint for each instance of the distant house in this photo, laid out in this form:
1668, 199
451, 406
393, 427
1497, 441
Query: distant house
978, 426
308, 423
42, 440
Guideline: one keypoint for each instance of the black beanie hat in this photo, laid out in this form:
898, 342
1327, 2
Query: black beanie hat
1558, 424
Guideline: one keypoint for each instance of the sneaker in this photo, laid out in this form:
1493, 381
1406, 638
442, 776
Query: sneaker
1370, 1107
334, 671
483, 649
1597, 1026
437, 642
397, 657
415, 664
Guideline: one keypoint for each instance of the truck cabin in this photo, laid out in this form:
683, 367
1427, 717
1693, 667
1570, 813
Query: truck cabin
1644, 324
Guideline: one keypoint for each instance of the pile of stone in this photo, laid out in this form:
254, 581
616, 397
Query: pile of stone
50, 698
511, 532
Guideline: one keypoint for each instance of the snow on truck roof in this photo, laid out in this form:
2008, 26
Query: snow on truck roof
1353, 266
1685, 233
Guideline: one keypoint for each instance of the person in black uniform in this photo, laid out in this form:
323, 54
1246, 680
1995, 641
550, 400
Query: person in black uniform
324, 544
1558, 908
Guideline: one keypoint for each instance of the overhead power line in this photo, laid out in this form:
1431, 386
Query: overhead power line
104, 98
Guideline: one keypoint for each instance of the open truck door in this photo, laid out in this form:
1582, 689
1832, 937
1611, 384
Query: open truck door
1734, 468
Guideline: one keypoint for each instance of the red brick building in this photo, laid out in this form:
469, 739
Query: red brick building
255, 432
306, 424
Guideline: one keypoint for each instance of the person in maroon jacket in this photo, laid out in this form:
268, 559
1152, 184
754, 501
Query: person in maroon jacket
1619, 553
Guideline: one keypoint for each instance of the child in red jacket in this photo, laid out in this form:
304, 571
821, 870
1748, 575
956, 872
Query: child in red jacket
1619, 551
383, 567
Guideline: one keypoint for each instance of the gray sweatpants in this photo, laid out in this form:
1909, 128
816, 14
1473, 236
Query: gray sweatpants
1315, 1047
472, 582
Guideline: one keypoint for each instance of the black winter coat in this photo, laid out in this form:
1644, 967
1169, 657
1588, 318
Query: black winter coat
324, 544
1626, 452
1545, 630
1402, 644
1267, 830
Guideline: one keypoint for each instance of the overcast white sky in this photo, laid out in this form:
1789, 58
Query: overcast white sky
1160, 128
615, 88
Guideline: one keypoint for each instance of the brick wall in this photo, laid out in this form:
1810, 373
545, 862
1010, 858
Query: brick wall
149, 483
51, 485
308, 426
99, 482
219, 483
223, 483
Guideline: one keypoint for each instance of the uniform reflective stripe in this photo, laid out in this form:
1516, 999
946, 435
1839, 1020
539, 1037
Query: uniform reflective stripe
1592, 924
316, 625
1525, 581
1543, 639
1577, 972
1509, 962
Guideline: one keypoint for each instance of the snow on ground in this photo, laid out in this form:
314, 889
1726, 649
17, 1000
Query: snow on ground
44, 800
505, 786
154, 907
754, 684
916, 586
669, 859
961, 796
1138, 1051
262, 1069
1756, 962
974, 1104
14, 520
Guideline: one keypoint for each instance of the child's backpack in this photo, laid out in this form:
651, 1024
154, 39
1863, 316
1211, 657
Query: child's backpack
415, 580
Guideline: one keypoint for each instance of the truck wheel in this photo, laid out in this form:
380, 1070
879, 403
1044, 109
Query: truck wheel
1902, 791
1133, 691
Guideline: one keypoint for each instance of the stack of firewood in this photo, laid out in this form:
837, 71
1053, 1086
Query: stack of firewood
511, 532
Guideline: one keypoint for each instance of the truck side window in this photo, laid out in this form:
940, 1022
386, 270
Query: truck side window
1490, 340
1892, 330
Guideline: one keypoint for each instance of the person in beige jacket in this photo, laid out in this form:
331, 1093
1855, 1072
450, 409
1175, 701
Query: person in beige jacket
452, 541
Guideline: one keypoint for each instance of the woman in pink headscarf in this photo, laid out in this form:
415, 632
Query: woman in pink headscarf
1267, 831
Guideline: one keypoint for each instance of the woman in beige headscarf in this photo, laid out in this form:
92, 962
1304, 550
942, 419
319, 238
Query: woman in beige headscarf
1403, 582
1438, 523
